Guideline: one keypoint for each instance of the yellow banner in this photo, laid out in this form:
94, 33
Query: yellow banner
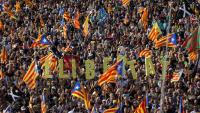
106, 61
132, 67
74, 68
89, 69
61, 72
149, 67
47, 70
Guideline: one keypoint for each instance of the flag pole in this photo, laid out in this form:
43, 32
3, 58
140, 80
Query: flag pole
164, 69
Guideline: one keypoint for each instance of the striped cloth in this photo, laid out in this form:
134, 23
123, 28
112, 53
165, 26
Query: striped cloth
111, 74
64, 31
111, 110
43, 105
142, 107
192, 43
68, 48
76, 21
81, 93
53, 61
4, 55
154, 33
30, 76
145, 53
193, 56
163, 41
125, 2
66, 16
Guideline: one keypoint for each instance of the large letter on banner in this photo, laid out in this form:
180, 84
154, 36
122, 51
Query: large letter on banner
123, 57
61, 72
149, 67
73, 68
46, 69
106, 60
132, 67
89, 69
164, 65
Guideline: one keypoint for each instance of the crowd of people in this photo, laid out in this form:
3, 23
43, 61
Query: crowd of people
122, 28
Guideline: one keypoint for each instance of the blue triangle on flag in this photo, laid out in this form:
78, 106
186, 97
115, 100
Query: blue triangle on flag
173, 39
44, 40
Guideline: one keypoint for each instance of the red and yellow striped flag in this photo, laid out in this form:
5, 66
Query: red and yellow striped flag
145, 53
35, 43
154, 33
43, 105
125, 2
30, 76
86, 26
53, 61
80, 92
142, 107
144, 18
68, 49
17, 7
110, 75
86, 100
193, 56
1, 25
4, 55
8, 11
76, 20
111, 110
163, 41
66, 16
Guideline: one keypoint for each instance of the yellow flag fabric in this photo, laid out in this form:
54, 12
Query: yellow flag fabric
86, 26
